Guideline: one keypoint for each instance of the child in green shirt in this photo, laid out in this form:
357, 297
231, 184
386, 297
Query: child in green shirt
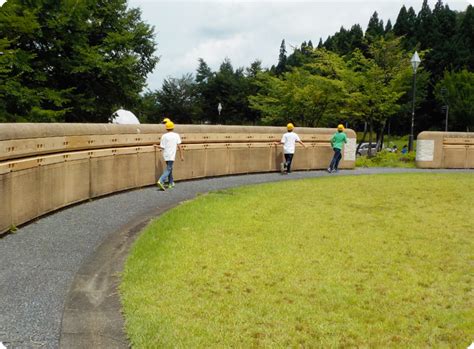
337, 142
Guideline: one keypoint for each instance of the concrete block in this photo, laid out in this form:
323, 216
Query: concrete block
52, 187
25, 195
103, 176
217, 160
259, 158
126, 170
5, 202
77, 180
239, 154
146, 167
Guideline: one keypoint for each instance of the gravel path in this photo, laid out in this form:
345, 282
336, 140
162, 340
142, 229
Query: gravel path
59, 273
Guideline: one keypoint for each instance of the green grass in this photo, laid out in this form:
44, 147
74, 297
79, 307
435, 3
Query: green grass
369, 261
386, 159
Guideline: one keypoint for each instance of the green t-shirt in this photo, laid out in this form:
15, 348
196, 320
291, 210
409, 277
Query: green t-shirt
338, 139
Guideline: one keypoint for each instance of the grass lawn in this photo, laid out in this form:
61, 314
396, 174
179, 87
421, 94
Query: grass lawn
362, 261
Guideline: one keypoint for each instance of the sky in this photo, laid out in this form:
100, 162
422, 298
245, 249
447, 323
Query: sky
244, 31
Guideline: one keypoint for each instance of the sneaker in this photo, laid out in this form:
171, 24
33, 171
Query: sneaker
329, 170
171, 186
160, 185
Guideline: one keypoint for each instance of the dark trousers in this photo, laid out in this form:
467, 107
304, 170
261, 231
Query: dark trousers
288, 160
335, 159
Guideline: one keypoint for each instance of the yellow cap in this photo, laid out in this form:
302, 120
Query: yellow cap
166, 120
340, 127
169, 125
290, 126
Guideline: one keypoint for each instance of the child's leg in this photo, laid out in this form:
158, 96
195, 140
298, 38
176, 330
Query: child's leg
289, 159
169, 165
338, 158
165, 176
333, 161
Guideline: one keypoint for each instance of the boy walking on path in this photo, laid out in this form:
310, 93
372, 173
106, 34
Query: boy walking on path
337, 142
289, 140
170, 141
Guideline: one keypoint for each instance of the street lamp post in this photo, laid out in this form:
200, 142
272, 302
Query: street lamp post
415, 62
219, 109
444, 92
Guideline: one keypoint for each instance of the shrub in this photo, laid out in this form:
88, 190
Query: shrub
387, 159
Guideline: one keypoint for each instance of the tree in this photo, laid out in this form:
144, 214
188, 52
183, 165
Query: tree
203, 71
311, 95
375, 28
78, 60
377, 84
466, 39
320, 43
424, 26
281, 66
357, 38
459, 96
178, 99
388, 27
405, 26
148, 111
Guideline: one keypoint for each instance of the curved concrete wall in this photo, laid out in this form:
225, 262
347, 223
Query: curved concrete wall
445, 150
44, 167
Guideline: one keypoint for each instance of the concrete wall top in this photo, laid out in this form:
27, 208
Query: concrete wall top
15, 131
440, 134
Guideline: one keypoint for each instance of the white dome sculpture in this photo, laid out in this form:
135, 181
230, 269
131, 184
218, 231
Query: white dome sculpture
124, 117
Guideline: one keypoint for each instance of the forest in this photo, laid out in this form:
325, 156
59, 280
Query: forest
78, 61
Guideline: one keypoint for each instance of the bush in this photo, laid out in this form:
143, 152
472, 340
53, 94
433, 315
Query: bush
387, 159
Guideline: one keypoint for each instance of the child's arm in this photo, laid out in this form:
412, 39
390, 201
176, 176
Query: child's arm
301, 142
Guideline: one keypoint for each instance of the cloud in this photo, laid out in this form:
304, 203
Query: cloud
245, 30
214, 50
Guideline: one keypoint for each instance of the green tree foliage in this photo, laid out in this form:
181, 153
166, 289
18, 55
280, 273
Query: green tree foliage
424, 26
405, 26
229, 87
459, 95
72, 60
312, 95
375, 28
388, 27
378, 83
148, 109
203, 72
178, 100
447, 38
466, 38
281, 66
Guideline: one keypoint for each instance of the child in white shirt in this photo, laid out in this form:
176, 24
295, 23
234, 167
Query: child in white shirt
289, 140
170, 141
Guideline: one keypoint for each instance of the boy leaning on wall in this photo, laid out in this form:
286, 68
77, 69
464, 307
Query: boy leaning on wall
169, 142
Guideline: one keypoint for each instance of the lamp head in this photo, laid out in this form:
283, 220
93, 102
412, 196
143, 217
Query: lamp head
415, 61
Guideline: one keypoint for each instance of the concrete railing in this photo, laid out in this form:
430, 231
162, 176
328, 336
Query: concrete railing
44, 167
445, 150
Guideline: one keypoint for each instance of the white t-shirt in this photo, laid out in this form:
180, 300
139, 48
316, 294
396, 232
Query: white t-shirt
169, 143
289, 139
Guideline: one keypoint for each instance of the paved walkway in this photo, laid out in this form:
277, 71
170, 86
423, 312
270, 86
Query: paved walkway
59, 274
